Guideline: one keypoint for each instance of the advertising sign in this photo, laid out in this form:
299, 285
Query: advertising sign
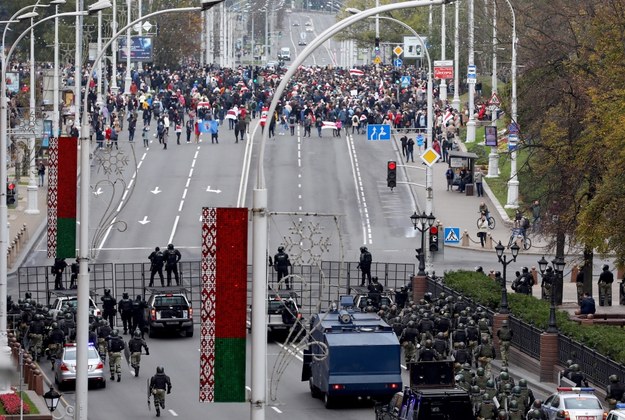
443, 69
490, 135
13, 82
412, 47
141, 48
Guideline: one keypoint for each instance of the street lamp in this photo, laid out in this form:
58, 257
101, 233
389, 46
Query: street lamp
422, 223
55, 95
52, 399
503, 259
558, 264
260, 211
513, 183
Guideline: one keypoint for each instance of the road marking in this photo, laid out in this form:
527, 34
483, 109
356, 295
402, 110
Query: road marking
180, 207
121, 203
156, 190
190, 172
188, 182
125, 194
106, 235
277, 410
130, 183
173, 230
193, 163
184, 194
360, 191
208, 189
173, 413
139, 164
144, 221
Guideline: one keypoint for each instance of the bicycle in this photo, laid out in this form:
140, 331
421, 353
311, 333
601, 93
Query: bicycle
517, 233
490, 219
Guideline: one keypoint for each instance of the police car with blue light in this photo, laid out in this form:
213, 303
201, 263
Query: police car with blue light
574, 403
618, 414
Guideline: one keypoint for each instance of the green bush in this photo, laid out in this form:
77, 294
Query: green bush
605, 339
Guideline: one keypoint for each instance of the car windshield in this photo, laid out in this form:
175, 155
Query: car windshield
577, 403
70, 354
169, 301
73, 302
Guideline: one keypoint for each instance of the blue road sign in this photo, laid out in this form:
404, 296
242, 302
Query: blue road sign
378, 132
513, 128
420, 140
398, 62
513, 141
452, 235
405, 81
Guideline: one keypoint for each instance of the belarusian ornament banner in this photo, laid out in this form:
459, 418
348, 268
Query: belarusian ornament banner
223, 312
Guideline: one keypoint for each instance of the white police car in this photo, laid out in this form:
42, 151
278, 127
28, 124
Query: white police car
574, 403
618, 414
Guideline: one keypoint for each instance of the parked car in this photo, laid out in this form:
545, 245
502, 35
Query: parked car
169, 309
573, 403
65, 367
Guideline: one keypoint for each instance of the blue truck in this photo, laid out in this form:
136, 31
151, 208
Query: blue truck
351, 355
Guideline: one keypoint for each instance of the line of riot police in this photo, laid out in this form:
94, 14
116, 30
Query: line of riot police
448, 328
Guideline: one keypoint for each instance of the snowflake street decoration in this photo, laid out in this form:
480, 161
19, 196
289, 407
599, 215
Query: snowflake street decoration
306, 243
112, 162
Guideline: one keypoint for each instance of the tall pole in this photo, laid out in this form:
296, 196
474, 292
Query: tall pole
114, 46
493, 156
443, 85
139, 14
377, 21
99, 67
455, 103
266, 34
33, 207
513, 184
128, 78
471, 122
55, 93
78, 64
203, 43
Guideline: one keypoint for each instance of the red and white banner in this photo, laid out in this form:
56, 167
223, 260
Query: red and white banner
356, 72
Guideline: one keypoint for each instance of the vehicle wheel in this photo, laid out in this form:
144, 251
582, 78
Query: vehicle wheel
491, 222
314, 391
527, 244
328, 401
189, 332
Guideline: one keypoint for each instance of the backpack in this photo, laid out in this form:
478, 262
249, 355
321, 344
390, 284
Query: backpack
525, 223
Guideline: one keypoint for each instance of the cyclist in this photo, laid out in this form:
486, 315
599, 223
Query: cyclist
524, 225
484, 210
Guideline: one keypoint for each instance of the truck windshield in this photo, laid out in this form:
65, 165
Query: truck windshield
350, 359
170, 301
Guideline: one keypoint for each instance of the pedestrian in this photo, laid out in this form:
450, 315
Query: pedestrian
57, 269
535, 207
197, 131
138, 314
145, 135
236, 129
482, 228
178, 131
504, 333
547, 284
214, 130
485, 354
125, 311
132, 126
159, 384
243, 125
307, 125
365, 265
41, 171
99, 136
292, 123
587, 306
404, 145
156, 265
165, 137
410, 150
449, 176
116, 346
172, 257
114, 138
579, 283
109, 307
135, 344
281, 264
477, 179
189, 127
606, 278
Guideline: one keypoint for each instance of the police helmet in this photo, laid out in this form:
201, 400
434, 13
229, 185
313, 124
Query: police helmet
69, 316
516, 390
475, 389
125, 295
523, 383
613, 378
442, 295
54, 325
480, 371
502, 415
411, 324
160, 369
487, 398
107, 291
280, 248
428, 344
170, 246
471, 323
466, 366
534, 414
459, 378
513, 405
363, 249
575, 367
157, 248
504, 376
568, 363
507, 388
462, 345
479, 269
525, 269
440, 336
137, 334
497, 273
413, 317
537, 404
490, 384
114, 333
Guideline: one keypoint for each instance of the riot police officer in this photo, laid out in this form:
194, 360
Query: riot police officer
109, 307
281, 264
35, 335
365, 265
115, 348
135, 344
172, 257
138, 314
159, 384
125, 310
606, 278
505, 336
156, 266
56, 339
485, 355
427, 353
614, 392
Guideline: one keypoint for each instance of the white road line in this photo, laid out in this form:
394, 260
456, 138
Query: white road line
130, 183
106, 235
188, 181
300, 208
124, 196
139, 164
299, 185
134, 175
144, 155
180, 207
277, 410
196, 153
173, 413
193, 163
121, 203
360, 195
190, 172
173, 230
184, 194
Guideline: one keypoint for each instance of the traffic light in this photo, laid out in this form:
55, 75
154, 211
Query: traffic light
419, 254
391, 174
434, 238
377, 43
11, 194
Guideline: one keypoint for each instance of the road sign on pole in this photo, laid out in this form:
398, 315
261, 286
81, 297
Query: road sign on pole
398, 62
451, 235
472, 74
398, 50
378, 132
405, 81
494, 99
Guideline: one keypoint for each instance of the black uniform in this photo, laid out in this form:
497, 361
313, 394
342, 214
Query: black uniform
172, 256
157, 259
57, 270
125, 310
109, 304
138, 314
365, 265
281, 264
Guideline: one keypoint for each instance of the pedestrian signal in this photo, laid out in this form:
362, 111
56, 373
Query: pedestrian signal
391, 174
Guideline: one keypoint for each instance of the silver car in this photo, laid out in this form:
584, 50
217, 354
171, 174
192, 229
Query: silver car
65, 367
574, 403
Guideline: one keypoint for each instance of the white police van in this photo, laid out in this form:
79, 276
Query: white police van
618, 414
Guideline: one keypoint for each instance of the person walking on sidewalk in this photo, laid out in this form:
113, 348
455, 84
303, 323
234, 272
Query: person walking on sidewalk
449, 175
41, 171
482, 228
410, 150
477, 179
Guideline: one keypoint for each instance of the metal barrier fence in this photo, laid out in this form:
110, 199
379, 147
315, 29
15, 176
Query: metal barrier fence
316, 286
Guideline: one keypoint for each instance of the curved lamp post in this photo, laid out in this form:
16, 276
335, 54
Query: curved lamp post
259, 208
503, 259
422, 223
558, 265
